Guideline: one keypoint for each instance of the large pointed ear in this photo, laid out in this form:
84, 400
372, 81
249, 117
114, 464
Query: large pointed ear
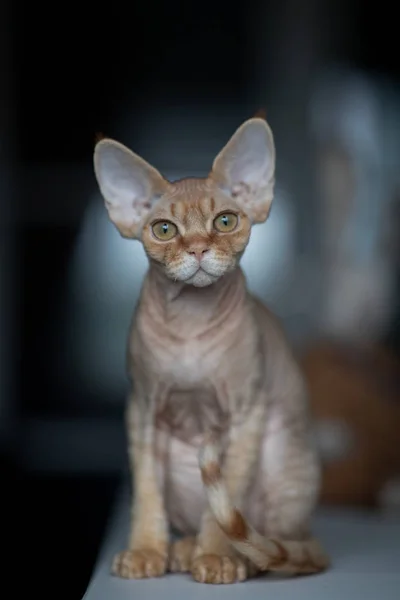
245, 168
128, 184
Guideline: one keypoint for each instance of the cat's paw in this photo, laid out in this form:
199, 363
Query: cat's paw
211, 568
180, 555
138, 564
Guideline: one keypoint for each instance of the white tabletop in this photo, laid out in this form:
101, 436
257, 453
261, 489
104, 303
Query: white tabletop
365, 551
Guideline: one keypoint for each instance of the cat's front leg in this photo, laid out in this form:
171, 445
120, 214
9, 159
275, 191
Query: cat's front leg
215, 561
147, 551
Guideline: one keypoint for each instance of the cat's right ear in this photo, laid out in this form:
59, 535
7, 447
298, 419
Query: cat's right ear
128, 184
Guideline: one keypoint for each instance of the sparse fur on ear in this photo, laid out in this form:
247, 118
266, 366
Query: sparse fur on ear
261, 113
245, 168
128, 184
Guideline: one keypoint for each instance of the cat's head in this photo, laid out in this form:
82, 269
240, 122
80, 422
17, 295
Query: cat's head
195, 229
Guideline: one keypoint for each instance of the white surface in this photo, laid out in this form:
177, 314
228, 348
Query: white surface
365, 551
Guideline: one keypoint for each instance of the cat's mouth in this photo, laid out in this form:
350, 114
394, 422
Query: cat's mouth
194, 274
201, 278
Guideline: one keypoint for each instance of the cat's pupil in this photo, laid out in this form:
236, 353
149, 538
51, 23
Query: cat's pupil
224, 219
165, 228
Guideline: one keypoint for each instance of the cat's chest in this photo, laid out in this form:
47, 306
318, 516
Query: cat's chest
186, 362
192, 350
179, 356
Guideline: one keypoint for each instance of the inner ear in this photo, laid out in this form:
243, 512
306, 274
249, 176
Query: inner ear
129, 185
245, 168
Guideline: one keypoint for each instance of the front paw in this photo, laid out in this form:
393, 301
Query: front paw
139, 564
212, 568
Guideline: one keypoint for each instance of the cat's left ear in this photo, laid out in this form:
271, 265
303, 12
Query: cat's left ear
245, 168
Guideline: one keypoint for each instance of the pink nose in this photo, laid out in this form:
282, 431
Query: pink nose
198, 251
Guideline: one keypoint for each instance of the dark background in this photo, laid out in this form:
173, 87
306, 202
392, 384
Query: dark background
70, 71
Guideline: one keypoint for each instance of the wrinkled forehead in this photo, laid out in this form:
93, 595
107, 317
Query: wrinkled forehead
192, 201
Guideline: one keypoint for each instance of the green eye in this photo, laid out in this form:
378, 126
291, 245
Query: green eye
164, 230
226, 222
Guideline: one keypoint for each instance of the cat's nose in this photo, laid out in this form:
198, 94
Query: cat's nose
198, 250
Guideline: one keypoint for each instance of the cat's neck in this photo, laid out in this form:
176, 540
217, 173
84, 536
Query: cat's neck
175, 301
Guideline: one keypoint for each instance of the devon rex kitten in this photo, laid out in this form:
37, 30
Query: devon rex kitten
204, 354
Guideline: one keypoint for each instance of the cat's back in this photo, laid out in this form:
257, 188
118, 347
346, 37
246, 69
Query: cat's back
266, 319
270, 327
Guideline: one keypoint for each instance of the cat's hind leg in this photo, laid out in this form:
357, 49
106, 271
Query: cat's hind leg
291, 475
181, 554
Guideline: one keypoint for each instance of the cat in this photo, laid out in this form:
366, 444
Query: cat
203, 354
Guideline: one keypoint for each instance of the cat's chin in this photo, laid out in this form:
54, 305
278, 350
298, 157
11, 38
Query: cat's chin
201, 279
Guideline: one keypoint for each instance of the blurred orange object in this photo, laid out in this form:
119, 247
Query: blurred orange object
355, 398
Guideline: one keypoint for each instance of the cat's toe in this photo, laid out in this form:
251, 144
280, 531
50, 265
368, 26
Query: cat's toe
211, 568
139, 564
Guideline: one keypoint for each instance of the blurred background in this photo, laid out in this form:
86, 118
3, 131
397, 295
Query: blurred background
173, 81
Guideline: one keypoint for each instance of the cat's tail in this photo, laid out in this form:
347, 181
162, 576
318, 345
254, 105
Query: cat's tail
291, 557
